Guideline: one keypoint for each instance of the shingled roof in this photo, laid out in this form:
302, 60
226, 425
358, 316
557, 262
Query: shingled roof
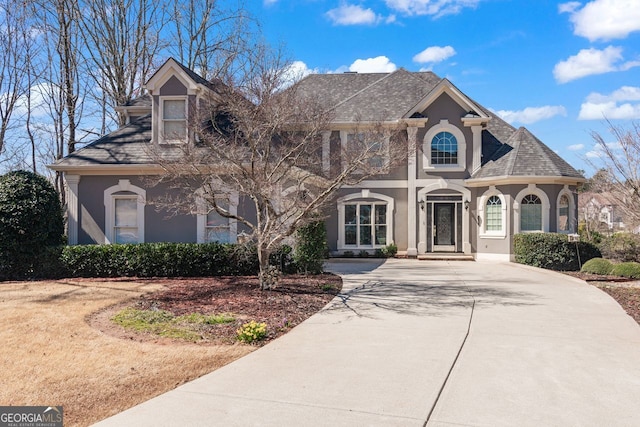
524, 155
506, 151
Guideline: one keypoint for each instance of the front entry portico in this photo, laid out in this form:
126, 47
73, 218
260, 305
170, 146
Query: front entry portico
444, 215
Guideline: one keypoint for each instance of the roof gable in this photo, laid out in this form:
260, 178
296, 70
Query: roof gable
172, 68
445, 86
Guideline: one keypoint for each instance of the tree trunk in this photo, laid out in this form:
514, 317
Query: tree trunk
268, 275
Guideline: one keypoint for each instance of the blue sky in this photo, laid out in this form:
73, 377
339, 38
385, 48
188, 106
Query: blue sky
557, 68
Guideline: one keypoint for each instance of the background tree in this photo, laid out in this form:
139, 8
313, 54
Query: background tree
264, 143
618, 168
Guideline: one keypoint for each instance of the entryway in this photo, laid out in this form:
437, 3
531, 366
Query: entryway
444, 223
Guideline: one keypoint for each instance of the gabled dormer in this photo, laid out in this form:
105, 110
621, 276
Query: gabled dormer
446, 143
175, 92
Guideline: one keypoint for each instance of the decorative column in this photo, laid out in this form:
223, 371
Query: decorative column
412, 250
477, 147
72, 207
326, 153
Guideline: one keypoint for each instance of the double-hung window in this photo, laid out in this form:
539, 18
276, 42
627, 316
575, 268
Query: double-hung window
125, 228
531, 216
217, 227
563, 214
493, 214
444, 149
174, 119
373, 149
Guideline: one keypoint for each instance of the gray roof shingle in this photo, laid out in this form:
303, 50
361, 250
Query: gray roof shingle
506, 151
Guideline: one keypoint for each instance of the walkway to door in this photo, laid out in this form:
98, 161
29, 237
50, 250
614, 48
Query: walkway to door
436, 343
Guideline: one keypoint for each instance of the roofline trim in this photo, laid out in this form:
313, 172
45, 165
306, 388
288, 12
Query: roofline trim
445, 86
523, 179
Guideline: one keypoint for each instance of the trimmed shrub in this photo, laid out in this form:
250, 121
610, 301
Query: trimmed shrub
167, 260
621, 247
627, 269
31, 225
597, 266
552, 251
311, 248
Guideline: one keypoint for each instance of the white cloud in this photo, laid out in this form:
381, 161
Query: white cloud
623, 103
575, 147
434, 54
269, 2
591, 61
347, 14
532, 114
379, 64
296, 71
435, 8
603, 19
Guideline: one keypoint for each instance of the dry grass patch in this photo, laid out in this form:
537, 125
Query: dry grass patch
50, 355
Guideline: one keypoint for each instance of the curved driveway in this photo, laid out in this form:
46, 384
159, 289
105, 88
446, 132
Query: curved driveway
435, 343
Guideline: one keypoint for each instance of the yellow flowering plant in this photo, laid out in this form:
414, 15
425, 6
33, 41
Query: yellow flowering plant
251, 332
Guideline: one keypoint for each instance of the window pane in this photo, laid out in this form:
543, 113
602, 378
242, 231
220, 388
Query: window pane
493, 214
175, 130
444, 149
174, 109
350, 214
218, 234
350, 235
126, 235
381, 235
365, 235
126, 212
381, 214
531, 213
365, 214
563, 214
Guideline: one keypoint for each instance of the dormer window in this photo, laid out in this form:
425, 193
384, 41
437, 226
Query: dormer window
174, 119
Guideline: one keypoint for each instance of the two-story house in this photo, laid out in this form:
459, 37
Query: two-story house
469, 184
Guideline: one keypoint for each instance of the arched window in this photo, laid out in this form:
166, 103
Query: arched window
531, 213
493, 214
124, 213
444, 149
563, 213
365, 221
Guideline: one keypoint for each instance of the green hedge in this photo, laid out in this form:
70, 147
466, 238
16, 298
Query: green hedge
552, 251
167, 260
597, 266
627, 269
621, 247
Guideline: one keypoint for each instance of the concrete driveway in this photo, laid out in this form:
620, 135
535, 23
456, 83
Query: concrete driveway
435, 343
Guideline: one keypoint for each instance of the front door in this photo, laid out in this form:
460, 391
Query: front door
444, 231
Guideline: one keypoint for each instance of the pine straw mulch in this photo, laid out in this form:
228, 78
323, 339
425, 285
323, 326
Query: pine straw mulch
625, 291
296, 298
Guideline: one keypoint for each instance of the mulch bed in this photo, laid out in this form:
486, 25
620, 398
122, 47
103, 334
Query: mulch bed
296, 298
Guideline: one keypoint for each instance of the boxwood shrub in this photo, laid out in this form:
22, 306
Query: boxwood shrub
597, 266
168, 260
627, 269
552, 251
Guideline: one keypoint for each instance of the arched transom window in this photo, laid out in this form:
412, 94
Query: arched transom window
444, 149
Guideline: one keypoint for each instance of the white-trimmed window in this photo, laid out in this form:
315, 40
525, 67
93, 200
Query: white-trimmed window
493, 213
356, 143
365, 224
531, 210
566, 210
124, 213
214, 227
173, 111
444, 147
531, 213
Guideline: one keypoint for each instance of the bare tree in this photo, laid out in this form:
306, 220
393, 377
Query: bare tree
618, 168
121, 39
265, 144
210, 36
15, 39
